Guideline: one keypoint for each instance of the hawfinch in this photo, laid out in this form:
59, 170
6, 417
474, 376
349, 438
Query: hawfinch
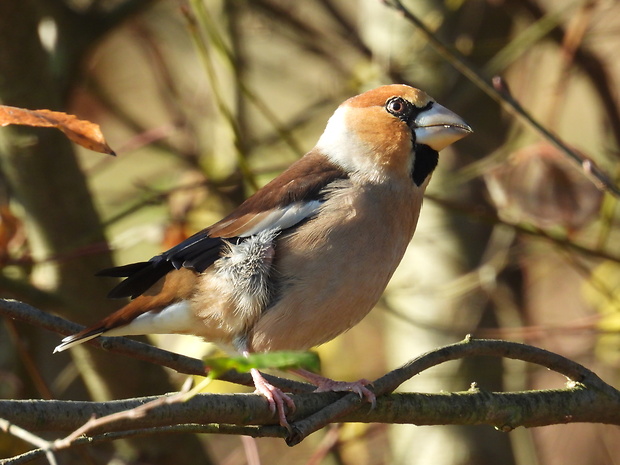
307, 256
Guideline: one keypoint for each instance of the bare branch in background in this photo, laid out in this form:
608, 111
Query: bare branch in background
497, 90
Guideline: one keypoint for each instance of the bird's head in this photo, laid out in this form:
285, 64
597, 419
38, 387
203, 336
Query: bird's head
386, 131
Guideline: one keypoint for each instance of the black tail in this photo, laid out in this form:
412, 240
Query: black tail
140, 276
195, 253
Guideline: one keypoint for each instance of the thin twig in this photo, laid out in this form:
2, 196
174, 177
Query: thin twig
136, 412
198, 22
251, 450
42, 444
188, 428
521, 228
329, 442
505, 99
28, 362
493, 348
589, 62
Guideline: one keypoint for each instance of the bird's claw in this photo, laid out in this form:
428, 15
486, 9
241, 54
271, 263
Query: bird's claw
275, 397
358, 387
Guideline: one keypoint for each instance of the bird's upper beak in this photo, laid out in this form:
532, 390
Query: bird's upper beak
438, 127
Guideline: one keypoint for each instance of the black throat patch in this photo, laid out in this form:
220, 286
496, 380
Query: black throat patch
425, 162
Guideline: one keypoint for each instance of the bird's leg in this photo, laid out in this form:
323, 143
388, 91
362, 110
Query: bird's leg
326, 384
275, 397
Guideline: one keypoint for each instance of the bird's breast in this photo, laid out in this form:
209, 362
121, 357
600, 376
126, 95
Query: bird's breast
330, 271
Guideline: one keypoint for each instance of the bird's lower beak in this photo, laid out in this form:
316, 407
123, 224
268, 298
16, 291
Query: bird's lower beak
438, 127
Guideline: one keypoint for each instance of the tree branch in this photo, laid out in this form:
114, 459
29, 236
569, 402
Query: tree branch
586, 398
468, 348
575, 403
134, 349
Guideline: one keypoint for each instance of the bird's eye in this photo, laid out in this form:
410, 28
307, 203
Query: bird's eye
399, 107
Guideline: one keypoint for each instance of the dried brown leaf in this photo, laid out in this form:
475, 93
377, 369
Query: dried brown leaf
81, 132
538, 185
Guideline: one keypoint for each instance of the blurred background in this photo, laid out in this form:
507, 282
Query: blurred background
206, 100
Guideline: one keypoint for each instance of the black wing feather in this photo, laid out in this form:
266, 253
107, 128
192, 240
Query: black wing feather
197, 252
140, 279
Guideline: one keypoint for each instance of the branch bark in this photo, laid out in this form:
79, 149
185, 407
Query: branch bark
504, 411
586, 398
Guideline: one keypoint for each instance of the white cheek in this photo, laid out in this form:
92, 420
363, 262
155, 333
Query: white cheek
343, 147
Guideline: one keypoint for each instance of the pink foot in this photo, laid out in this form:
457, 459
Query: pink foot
326, 385
276, 398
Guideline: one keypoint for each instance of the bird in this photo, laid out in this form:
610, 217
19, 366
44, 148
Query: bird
308, 255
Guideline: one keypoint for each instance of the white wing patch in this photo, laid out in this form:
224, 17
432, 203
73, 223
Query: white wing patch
343, 146
284, 217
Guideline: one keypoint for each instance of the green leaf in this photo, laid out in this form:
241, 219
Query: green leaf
282, 360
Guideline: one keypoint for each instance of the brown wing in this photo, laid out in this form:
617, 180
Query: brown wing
284, 202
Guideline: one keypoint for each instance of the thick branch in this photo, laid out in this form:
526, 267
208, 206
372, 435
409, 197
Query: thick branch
586, 399
475, 407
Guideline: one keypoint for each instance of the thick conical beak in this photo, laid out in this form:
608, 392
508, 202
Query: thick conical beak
438, 127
